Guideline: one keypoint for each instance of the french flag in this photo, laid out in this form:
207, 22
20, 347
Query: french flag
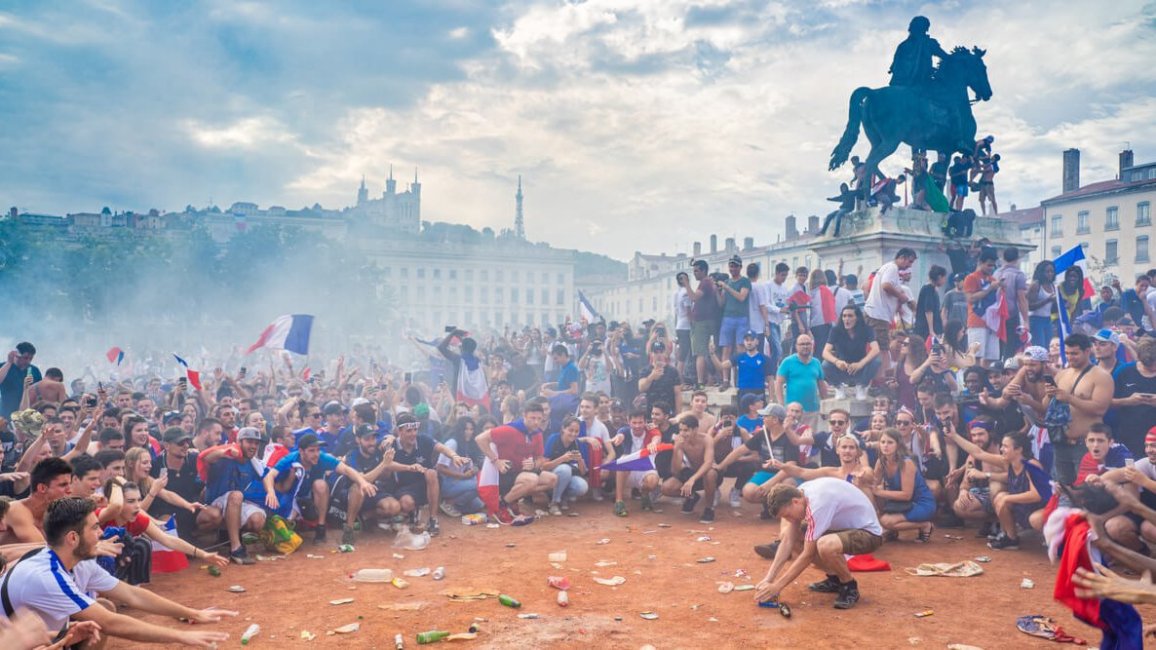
286, 333
996, 315
193, 375
586, 310
638, 461
114, 355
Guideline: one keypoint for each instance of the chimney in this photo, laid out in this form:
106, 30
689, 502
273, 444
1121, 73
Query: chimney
792, 228
697, 249
713, 244
1125, 161
730, 244
1071, 170
748, 243
812, 224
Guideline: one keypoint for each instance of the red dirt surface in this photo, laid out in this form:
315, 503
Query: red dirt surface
662, 575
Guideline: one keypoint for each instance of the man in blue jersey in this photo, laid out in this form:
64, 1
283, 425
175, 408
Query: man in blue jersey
234, 473
347, 503
751, 366
307, 467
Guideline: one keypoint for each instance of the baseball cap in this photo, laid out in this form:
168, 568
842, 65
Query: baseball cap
171, 416
750, 334
332, 407
1151, 437
773, 410
748, 399
410, 419
251, 433
1107, 336
176, 434
735, 259
364, 430
308, 440
1012, 364
358, 401
1036, 353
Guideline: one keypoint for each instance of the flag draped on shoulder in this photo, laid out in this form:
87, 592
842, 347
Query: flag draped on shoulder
290, 332
996, 315
638, 461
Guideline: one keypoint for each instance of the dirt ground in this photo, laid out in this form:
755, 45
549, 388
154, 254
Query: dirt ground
662, 575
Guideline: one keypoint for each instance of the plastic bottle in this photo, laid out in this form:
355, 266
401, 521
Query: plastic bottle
373, 575
398, 642
563, 599
250, 632
439, 573
432, 636
509, 601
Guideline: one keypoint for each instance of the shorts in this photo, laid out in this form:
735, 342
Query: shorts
987, 340
960, 189
882, 331
248, 508
733, 329
983, 495
415, 490
857, 541
662, 464
700, 333
762, 476
506, 481
339, 497
685, 474
634, 479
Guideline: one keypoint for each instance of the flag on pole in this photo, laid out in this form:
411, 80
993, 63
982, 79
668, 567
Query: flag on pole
115, 355
638, 461
586, 309
1073, 257
286, 333
193, 375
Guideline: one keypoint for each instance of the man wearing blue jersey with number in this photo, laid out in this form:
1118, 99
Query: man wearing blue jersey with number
751, 366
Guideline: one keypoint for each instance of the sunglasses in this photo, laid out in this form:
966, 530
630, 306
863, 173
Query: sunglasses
837, 421
183, 442
905, 422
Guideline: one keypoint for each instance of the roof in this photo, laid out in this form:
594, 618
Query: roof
1025, 217
1102, 187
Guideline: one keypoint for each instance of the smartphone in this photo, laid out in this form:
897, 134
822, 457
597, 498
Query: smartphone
1048, 380
243, 371
408, 377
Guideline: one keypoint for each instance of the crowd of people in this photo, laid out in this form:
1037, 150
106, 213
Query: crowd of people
941, 416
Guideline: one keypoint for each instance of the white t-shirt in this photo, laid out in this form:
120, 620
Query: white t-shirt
760, 295
597, 374
452, 445
41, 584
835, 504
881, 305
779, 294
682, 304
1145, 467
1149, 298
598, 430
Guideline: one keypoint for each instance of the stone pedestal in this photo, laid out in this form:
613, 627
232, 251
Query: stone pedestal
868, 239
858, 408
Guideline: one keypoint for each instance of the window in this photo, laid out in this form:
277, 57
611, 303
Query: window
499, 275
404, 273
437, 274
1057, 251
469, 275
1144, 214
1112, 218
485, 274
469, 318
453, 274
1082, 227
513, 276
561, 297
513, 295
385, 272
545, 296
545, 278
561, 278
1057, 226
469, 294
1111, 252
498, 293
529, 296
1142, 248
654, 303
421, 274
484, 295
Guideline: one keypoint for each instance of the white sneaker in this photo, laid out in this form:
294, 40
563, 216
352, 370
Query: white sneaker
596, 494
736, 498
860, 392
839, 394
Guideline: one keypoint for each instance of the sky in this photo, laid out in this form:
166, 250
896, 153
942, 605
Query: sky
642, 125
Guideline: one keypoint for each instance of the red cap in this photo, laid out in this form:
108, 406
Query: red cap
1151, 437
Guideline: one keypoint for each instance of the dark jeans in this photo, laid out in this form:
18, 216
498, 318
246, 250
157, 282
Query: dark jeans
836, 377
1067, 456
837, 216
1011, 343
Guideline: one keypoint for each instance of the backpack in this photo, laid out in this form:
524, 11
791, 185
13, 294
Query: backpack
279, 536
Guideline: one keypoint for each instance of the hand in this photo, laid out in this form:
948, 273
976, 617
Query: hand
109, 548
527, 464
25, 630
617, 440
369, 489
216, 559
211, 615
27, 380
1107, 584
14, 476
195, 507
712, 348
271, 501
80, 631
1012, 391
159, 484
687, 489
1050, 390
13, 355
460, 461
765, 591
503, 465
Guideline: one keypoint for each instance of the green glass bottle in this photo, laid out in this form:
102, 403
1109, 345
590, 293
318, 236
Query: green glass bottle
432, 636
509, 601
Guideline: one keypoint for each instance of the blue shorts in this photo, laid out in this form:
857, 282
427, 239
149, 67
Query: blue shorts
762, 476
961, 189
733, 329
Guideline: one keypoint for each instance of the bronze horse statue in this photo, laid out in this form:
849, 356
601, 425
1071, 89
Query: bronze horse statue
935, 117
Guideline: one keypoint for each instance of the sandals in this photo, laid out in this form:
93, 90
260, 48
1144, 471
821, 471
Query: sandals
925, 536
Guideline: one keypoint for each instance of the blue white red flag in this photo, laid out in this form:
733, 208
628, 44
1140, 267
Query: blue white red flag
289, 332
638, 461
115, 355
586, 309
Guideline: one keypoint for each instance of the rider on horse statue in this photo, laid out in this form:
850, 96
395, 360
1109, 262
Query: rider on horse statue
912, 65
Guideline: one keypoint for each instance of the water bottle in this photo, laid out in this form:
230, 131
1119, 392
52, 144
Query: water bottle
563, 599
509, 601
432, 636
373, 575
439, 573
250, 632
398, 642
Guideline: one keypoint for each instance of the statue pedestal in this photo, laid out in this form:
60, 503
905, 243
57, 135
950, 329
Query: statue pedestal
868, 239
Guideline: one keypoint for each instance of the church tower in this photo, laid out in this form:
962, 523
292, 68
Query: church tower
519, 223
390, 184
362, 193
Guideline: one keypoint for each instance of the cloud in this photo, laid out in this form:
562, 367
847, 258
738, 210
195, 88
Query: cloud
636, 125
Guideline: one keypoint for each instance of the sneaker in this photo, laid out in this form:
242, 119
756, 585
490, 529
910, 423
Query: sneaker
860, 394
319, 535
596, 494
767, 551
565, 505
555, 510
848, 595
736, 498
839, 394
996, 530
829, 586
432, 527
504, 516
347, 536
1004, 543
984, 531
646, 503
241, 556
707, 516
449, 510
690, 502
620, 508
635, 494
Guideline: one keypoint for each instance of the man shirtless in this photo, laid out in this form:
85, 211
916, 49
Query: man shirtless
1088, 390
693, 469
51, 480
698, 409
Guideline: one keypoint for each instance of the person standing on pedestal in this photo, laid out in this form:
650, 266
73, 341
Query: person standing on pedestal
885, 298
851, 356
